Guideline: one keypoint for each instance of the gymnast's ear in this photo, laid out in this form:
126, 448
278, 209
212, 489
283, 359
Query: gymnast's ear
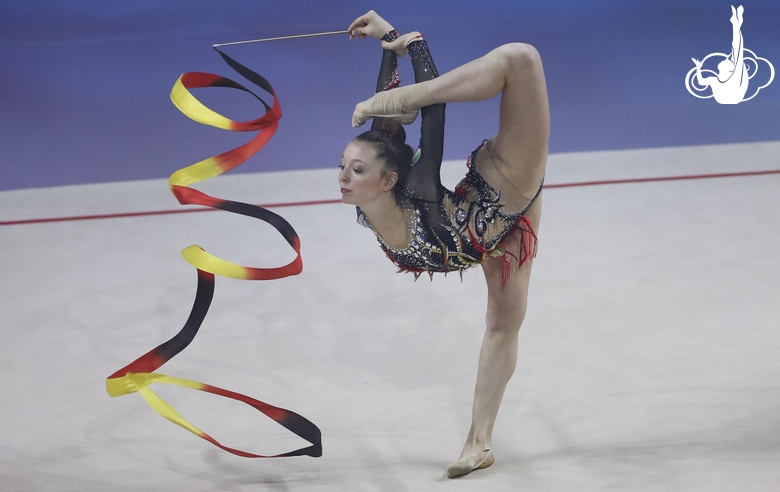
389, 180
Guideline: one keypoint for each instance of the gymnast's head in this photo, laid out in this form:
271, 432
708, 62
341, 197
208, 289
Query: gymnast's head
725, 70
375, 164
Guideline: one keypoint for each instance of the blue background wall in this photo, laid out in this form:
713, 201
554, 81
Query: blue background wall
84, 84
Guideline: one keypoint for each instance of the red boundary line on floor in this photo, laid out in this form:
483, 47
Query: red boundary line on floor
338, 200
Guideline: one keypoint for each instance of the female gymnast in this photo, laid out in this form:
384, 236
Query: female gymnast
491, 217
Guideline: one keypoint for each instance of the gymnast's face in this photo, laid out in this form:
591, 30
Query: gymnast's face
362, 177
725, 69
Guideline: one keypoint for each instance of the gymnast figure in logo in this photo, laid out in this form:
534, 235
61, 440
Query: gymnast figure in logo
731, 84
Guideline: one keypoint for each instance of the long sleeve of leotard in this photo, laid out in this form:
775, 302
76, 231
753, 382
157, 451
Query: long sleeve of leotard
423, 180
388, 70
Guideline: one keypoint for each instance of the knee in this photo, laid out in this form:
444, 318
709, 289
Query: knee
520, 55
505, 320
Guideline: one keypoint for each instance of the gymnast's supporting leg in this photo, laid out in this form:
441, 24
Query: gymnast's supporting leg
497, 362
506, 308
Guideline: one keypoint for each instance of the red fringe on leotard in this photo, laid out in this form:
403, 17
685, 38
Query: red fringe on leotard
527, 250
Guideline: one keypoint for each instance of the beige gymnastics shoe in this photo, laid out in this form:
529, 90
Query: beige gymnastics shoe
470, 463
365, 111
400, 104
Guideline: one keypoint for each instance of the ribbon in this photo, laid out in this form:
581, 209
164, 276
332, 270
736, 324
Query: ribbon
139, 375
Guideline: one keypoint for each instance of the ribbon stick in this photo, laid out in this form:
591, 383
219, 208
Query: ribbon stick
139, 375
297, 36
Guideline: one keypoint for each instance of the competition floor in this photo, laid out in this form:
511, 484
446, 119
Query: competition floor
648, 359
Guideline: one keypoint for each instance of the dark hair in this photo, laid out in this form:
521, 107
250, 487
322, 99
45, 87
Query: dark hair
388, 138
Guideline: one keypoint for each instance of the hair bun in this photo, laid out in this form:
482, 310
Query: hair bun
393, 129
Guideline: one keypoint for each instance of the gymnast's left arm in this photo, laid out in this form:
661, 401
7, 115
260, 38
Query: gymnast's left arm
424, 180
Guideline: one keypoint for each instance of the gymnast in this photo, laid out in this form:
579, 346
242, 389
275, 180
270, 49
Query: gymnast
492, 216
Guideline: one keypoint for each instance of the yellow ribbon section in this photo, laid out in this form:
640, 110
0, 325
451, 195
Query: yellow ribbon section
139, 382
199, 258
188, 104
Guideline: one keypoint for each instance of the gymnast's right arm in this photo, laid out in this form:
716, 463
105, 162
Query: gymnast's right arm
373, 25
388, 70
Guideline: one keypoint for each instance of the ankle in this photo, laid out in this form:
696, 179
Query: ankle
474, 448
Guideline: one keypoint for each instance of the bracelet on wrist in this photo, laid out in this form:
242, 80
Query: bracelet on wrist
390, 36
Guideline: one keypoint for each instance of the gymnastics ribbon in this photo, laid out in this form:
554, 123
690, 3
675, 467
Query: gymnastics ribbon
139, 375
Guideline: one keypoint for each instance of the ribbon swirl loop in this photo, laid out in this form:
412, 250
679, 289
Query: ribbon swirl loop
139, 375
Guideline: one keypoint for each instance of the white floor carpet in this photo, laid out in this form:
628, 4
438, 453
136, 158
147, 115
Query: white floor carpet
648, 359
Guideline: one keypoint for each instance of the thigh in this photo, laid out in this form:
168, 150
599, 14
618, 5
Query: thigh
524, 119
508, 303
515, 194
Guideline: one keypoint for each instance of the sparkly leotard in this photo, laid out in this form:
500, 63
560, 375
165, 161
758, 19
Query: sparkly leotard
449, 230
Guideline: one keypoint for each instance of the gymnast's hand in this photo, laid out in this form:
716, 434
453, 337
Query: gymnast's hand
400, 44
369, 24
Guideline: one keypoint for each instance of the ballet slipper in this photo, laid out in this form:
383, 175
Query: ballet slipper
400, 104
468, 464
364, 111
